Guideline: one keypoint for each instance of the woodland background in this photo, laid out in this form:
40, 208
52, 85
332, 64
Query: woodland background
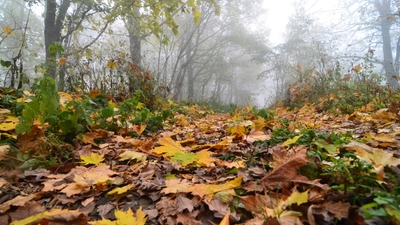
213, 51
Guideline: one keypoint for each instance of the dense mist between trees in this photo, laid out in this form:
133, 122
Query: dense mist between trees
212, 51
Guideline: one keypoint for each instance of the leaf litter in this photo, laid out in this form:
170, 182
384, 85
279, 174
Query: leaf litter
210, 169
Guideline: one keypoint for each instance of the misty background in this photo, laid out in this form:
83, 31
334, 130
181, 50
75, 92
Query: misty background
244, 52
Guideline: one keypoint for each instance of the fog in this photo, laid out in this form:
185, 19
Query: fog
218, 52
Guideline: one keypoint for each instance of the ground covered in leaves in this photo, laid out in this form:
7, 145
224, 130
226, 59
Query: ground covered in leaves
247, 167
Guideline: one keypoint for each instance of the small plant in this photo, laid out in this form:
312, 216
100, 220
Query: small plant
385, 205
44, 105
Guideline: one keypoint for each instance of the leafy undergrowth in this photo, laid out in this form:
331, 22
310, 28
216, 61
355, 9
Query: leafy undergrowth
93, 161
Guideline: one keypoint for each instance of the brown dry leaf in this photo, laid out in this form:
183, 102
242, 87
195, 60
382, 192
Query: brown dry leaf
139, 128
222, 146
382, 137
176, 186
184, 203
89, 137
85, 178
17, 201
257, 135
33, 141
339, 209
55, 216
3, 151
284, 174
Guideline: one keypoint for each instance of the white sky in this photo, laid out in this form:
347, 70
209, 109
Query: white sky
279, 12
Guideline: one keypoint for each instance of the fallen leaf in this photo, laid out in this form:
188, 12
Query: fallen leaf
94, 158
132, 155
208, 190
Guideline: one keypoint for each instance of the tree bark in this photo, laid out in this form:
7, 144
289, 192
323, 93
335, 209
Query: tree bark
383, 8
53, 25
135, 44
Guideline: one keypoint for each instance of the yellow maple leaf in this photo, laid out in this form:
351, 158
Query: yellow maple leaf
205, 158
9, 123
291, 141
169, 147
139, 128
121, 190
124, 218
112, 64
7, 29
238, 129
93, 158
208, 190
53, 212
259, 124
131, 155
357, 68
280, 210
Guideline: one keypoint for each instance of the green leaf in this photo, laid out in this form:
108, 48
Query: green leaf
332, 149
107, 112
5, 63
31, 163
184, 158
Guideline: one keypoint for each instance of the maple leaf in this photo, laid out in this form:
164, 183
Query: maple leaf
259, 124
169, 147
132, 155
139, 128
175, 186
280, 210
284, 174
89, 137
184, 158
55, 216
204, 158
93, 158
9, 123
124, 218
7, 29
17, 201
208, 190
62, 61
85, 178
121, 190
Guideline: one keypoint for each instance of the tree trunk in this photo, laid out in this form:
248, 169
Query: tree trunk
385, 24
53, 25
135, 45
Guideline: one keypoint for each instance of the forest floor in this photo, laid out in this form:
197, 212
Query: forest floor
285, 167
